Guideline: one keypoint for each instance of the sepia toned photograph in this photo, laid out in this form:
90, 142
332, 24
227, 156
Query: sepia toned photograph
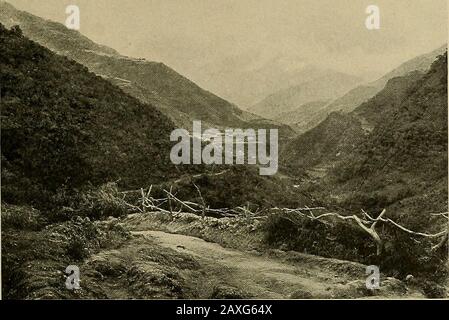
224, 150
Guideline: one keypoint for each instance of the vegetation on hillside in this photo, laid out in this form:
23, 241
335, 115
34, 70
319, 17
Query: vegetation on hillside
150, 82
390, 153
73, 142
64, 127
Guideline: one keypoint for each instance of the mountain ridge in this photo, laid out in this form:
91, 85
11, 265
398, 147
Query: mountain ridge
64, 127
390, 152
347, 101
323, 87
356, 96
151, 82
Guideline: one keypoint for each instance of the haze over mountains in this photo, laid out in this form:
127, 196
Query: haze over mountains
356, 96
318, 85
151, 82
331, 92
289, 90
87, 176
257, 80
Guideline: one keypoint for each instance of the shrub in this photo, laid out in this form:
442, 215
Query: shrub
76, 249
341, 241
103, 202
434, 291
21, 217
404, 255
112, 234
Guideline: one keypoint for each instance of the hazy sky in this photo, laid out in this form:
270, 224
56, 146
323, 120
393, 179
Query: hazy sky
193, 35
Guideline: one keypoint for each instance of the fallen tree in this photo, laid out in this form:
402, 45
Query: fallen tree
366, 222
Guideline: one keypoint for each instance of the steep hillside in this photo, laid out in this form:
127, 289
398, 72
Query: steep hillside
353, 98
378, 108
65, 129
406, 152
63, 126
302, 114
389, 151
325, 87
150, 82
302, 119
323, 145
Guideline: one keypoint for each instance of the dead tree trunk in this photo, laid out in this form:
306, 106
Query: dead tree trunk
371, 230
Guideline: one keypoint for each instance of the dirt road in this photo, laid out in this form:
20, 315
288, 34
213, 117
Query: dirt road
258, 276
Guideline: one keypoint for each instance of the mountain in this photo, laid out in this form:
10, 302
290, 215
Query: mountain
301, 114
323, 87
390, 152
65, 127
303, 118
419, 63
66, 130
353, 98
339, 133
151, 82
321, 146
248, 79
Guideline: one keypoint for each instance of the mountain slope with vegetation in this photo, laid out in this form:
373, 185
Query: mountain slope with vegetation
360, 94
63, 126
341, 132
400, 133
287, 106
389, 154
66, 129
151, 82
71, 142
406, 152
84, 163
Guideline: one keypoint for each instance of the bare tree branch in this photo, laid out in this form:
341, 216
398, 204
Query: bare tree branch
203, 212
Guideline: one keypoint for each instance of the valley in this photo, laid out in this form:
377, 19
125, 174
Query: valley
90, 178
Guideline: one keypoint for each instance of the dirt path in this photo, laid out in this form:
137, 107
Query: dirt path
261, 276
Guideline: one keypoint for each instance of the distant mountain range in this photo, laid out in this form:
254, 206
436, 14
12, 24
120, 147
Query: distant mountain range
292, 106
150, 82
305, 113
362, 93
323, 85
258, 77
